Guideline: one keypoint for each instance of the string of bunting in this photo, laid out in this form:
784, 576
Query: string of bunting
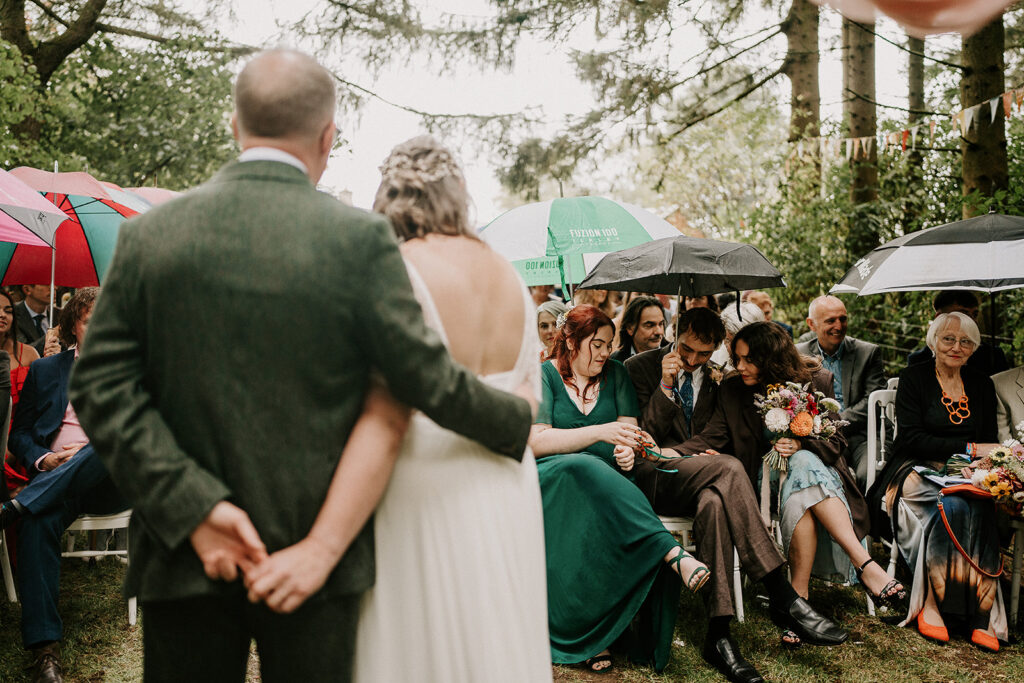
861, 147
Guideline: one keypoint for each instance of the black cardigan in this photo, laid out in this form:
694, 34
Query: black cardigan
924, 432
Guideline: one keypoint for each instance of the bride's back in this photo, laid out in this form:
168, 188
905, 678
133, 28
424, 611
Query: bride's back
478, 296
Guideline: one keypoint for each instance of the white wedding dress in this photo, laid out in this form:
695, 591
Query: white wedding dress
461, 589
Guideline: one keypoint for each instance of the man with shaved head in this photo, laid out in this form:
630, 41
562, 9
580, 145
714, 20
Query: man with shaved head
220, 400
856, 368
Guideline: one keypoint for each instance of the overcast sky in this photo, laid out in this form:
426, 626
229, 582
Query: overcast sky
542, 76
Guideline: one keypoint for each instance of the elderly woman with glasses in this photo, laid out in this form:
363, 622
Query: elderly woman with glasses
948, 541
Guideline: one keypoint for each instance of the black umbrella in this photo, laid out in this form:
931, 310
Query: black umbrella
687, 266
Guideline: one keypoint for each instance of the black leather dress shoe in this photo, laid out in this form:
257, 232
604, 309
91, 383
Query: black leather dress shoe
46, 666
810, 625
724, 655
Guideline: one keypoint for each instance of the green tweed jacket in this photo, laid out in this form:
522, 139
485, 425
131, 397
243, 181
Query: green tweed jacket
228, 357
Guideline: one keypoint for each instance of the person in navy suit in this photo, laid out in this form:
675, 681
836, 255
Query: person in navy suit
67, 479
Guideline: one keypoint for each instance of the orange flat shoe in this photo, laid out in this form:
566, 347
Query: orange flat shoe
938, 633
984, 640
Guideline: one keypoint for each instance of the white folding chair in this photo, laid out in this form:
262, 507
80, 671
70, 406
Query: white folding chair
112, 522
5, 559
881, 412
683, 526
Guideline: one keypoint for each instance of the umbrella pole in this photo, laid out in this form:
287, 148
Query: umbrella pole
53, 278
53, 261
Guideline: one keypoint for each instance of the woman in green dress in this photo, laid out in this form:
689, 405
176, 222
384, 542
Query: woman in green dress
609, 558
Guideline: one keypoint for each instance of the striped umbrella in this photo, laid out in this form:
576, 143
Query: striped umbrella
25, 217
984, 254
84, 244
555, 241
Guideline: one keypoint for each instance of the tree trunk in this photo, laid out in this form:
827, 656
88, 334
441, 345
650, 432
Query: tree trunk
801, 67
859, 110
915, 79
984, 145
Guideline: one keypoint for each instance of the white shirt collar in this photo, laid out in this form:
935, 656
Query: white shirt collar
696, 379
272, 154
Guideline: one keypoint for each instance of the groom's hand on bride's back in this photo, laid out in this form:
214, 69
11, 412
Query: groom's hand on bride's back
226, 541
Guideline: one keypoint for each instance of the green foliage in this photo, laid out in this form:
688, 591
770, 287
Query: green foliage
156, 114
139, 109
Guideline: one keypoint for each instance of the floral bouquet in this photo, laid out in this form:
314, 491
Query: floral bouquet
795, 411
1001, 473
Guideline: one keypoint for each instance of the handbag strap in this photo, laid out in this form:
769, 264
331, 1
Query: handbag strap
949, 530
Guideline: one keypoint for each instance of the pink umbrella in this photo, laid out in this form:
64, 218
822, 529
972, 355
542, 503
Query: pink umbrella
154, 195
924, 17
25, 216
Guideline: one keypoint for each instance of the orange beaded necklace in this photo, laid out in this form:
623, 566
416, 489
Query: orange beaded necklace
958, 410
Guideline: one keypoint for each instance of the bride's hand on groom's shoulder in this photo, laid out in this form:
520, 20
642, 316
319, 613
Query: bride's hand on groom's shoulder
291, 575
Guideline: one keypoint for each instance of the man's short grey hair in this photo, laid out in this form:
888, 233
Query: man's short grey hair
943, 320
817, 301
284, 93
750, 311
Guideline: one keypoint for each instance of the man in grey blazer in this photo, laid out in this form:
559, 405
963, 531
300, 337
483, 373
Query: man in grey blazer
222, 426
856, 368
1009, 402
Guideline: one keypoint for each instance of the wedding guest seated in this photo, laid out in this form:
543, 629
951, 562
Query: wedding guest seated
20, 356
701, 302
823, 516
764, 301
1009, 387
944, 407
609, 558
735, 321
542, 293
602, 298
32, 315
642, 328
856, 368
547, 316
67, 478
986, 359
678, 393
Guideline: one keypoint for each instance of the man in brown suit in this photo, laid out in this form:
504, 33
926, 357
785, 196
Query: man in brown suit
678, 392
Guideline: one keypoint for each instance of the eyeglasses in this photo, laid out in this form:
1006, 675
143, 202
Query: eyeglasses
950, 341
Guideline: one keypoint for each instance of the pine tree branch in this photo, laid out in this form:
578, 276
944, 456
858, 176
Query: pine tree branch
863, 27
47, 8
728, 59
865, 98
704, 117
481, 118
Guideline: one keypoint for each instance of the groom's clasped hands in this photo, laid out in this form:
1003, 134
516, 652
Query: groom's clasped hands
228, 545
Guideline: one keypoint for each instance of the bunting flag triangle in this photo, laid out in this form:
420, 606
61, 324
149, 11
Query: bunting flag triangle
913, 136
868, 141
958, 122
931, 132
968, 117
993, 106
905, 134
1007, 103
1019, 97
849, 148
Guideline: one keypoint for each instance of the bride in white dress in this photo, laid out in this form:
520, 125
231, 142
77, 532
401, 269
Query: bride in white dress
460, 594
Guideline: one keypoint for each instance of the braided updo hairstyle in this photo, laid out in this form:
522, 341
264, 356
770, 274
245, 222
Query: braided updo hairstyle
422, 190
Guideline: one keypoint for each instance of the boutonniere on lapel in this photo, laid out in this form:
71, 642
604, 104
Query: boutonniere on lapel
715, 371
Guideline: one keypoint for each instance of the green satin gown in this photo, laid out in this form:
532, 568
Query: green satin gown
603, 541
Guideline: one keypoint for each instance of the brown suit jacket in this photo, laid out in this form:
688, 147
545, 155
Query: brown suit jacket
661, 417
737, 428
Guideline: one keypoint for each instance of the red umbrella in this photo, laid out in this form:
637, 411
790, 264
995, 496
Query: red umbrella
84, 243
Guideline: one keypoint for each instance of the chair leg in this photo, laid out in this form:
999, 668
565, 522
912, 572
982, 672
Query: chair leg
737, 586
5, 567
132, 611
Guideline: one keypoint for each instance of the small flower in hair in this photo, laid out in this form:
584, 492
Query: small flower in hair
560, 320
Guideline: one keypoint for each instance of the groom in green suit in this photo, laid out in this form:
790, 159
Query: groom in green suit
228, 359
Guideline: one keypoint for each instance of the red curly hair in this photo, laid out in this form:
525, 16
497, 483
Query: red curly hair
581, 322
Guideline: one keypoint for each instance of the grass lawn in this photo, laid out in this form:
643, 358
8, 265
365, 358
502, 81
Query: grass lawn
100, 646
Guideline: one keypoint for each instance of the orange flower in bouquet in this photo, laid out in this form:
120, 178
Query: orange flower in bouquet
802, 424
